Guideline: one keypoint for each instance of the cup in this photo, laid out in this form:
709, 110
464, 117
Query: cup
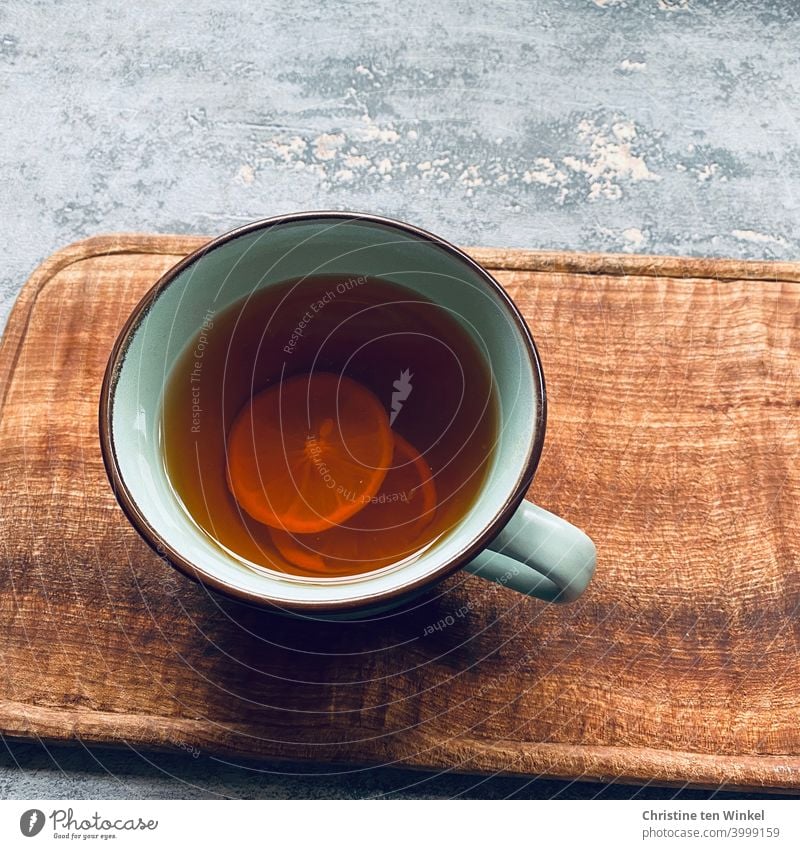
501, 537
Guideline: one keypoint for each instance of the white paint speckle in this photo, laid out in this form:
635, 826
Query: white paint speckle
290, 150
759, 238
603, 4
631, 65
470, 177
546, 173
245, 175
605, 158
353, 160
341, 156
373, 132
634, 238
624, 131
707, 171
327, 145
610, 159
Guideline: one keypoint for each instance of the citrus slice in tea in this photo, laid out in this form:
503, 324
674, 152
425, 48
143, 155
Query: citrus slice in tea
309, 453
385, 531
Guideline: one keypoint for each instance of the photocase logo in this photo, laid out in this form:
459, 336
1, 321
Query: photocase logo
31, 822
403, 389
67, 825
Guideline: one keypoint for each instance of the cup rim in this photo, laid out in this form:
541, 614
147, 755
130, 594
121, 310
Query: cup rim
197, 573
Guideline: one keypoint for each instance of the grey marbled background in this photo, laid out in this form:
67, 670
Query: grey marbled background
659, 126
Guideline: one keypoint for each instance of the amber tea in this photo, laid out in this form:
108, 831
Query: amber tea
329, 426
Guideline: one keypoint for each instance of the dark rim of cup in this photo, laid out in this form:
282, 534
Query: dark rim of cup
165, 551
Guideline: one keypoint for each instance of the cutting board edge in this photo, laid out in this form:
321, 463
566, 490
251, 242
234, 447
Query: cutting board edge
616, 764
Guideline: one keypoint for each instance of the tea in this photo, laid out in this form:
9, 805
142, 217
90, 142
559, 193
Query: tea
325, 427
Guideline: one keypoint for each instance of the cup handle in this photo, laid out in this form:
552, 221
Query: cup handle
537, 553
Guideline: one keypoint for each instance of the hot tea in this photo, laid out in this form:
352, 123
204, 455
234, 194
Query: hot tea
325, 427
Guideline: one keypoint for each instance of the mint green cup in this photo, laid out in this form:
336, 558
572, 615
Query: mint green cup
501, 537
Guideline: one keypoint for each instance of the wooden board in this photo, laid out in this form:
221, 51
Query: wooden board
674, 395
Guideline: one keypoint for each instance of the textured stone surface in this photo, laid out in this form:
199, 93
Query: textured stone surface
659, 126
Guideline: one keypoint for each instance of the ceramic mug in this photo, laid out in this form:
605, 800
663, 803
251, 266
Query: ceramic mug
501, 537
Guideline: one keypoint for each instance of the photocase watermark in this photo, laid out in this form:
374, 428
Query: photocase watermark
199, 353
315, 450
402, 389
32, 822
66, 825
315, 442
446, 621
317, 306
185, 746
384, 497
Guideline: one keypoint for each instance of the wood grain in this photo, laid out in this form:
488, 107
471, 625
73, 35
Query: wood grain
674, 395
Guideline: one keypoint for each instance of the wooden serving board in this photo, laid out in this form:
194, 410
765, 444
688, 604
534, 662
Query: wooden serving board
673, 440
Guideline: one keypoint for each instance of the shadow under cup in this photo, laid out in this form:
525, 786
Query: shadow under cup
266, 254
